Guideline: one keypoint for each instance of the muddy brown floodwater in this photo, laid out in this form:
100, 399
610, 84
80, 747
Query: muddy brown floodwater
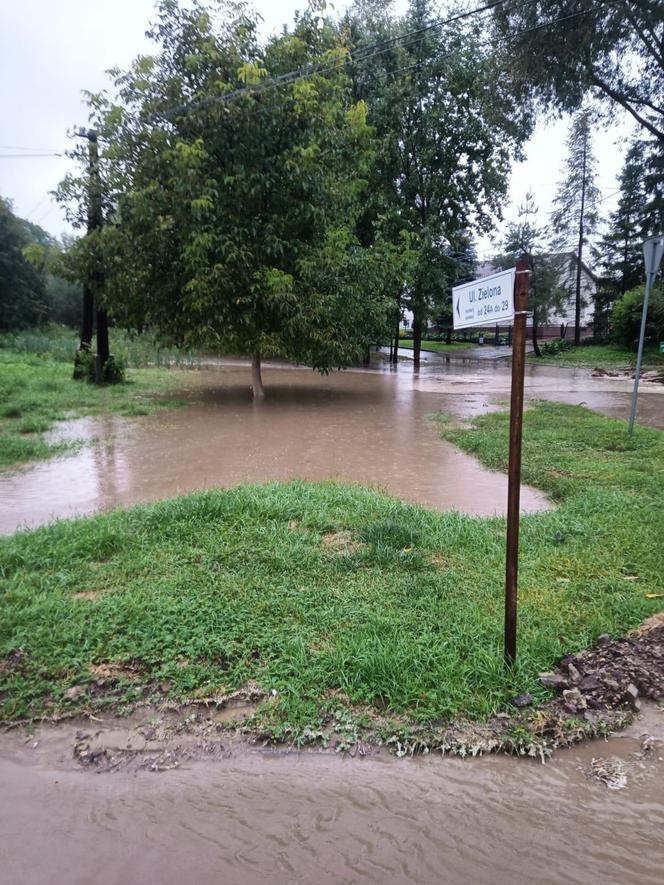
360, 427
371, 427
261, 817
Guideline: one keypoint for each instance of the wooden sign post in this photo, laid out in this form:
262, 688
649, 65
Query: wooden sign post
504, 297
521, 282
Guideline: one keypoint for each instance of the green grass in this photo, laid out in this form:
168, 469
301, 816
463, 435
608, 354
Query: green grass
336, 595
605, 356
438, 346
134, 351
36, 391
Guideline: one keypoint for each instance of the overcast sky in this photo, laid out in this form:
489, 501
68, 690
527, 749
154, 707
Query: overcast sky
52, 49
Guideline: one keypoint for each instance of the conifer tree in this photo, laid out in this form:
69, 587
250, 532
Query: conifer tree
526, 239
576, 215
621, 247
654, 186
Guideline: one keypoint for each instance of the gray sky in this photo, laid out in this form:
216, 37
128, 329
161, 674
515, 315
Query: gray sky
52, 49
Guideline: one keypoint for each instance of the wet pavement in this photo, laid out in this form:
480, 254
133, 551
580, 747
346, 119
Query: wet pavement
261, 816
373, 427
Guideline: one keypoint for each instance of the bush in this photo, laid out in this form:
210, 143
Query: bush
113, 371
132, 350
85, 368
555, 346
626, 317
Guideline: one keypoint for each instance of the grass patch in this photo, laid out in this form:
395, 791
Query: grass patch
603, 356
438, 346
132, 350
37, 391
330, 594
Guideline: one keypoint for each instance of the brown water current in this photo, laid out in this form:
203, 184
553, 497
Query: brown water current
371, 427
259, 817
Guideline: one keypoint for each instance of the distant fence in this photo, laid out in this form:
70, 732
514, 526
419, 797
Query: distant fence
496, 335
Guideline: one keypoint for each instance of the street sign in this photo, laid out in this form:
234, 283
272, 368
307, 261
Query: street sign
484, 302
653, 250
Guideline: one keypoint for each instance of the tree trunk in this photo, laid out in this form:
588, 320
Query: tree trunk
394, 355
81, 357
103, 351
448, 339
536, 346
256, 379
88, 317
367, 357
417, 341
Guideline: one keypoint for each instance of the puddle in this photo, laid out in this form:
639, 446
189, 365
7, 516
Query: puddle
260, 816
365, 427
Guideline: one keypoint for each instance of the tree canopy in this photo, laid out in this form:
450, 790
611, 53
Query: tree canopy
563, 49
448, 127
233, 193
525, 238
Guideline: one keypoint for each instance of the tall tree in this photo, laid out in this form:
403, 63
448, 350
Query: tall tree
563, 49
447, 128
238, 190
654, 185
525, 239
621, 247
576, 214
22, 293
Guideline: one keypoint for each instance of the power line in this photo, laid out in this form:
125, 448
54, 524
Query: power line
18, 147
38, 205
312, 69
28, 156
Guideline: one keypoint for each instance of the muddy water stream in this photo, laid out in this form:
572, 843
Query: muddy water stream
260, 817
371, 427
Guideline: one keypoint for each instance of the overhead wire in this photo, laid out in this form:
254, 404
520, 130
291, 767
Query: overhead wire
365, 53
18, 147
29, 156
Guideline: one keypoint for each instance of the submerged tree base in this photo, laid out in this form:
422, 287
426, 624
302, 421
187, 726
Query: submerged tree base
256, 377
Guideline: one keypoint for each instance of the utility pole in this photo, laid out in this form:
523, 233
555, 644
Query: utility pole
93, 283
579, 256
87, 319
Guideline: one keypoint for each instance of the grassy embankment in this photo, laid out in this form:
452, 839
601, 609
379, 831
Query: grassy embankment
37, 390
336, 597
603, 356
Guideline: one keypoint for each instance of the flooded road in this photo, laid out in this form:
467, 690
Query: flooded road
258, 817
373, 427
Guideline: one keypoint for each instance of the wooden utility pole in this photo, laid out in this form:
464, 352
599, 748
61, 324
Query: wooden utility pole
579, 256
87, 319
94, 281
521, 283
